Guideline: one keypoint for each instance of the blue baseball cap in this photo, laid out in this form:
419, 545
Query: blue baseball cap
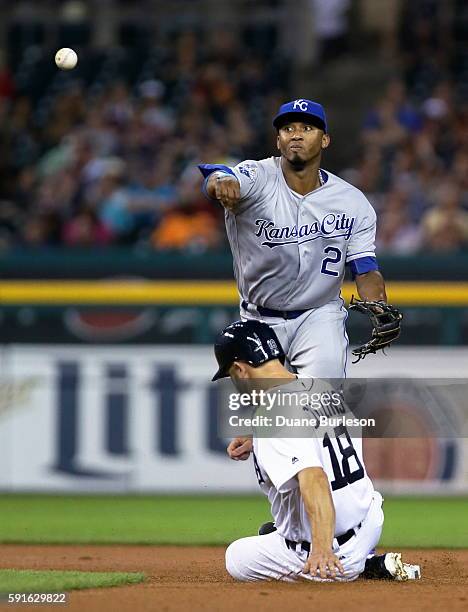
301, 110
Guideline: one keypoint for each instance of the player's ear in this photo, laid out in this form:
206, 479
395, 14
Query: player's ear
325, 141
240, 369
277, 141
234, 369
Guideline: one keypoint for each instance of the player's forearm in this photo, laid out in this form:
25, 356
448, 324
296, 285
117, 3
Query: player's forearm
371, 286
315, 493
225, 188
211, 184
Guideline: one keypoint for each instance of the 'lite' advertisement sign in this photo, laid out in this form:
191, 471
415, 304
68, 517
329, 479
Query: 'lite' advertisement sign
140, 419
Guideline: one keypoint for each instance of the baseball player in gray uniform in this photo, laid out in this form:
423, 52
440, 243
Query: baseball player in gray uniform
292, 228
328, 517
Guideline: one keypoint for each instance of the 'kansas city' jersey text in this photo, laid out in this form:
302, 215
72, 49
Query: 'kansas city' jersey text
290, 250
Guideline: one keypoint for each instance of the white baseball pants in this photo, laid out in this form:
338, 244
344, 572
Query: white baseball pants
267, 557
316, 343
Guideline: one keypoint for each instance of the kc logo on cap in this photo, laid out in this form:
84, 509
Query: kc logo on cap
303, 105
305, 110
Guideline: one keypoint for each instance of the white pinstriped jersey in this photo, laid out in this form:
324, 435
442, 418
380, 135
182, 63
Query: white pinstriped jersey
278, 460
290, 250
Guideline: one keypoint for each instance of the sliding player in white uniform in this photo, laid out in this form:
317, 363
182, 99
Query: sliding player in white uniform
327, 515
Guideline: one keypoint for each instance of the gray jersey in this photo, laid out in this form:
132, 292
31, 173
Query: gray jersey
290, 250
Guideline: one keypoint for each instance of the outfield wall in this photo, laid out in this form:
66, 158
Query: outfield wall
135, 419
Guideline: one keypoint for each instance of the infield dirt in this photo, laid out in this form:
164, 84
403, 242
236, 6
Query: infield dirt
191, 578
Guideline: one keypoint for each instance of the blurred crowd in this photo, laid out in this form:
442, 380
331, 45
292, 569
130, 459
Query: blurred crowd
414, 169
116, 165
413, 162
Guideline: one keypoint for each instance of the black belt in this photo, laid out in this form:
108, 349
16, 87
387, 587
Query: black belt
268, 312
341, 539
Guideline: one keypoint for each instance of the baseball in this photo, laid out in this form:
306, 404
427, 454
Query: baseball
66, 59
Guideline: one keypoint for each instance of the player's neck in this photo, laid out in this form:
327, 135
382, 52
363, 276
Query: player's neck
272, 372
303, 179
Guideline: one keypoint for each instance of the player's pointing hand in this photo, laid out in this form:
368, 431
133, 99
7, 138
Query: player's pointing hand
227, 190
323, 564
240, 448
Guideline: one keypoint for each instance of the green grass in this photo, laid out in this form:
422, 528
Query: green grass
186, 520
129, 519
426, 522
32, 581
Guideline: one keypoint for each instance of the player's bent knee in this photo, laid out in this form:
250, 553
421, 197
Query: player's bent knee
234, 561
241, 557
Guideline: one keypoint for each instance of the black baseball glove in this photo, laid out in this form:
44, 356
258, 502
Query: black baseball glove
386, 322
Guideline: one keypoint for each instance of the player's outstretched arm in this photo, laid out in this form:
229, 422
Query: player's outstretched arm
371, 286
225, 188
318, 502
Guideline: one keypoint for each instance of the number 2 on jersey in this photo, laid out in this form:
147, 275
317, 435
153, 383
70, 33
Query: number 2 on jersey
333, 259
343, 474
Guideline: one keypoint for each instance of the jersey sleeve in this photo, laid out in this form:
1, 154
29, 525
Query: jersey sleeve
207, 170
360, 254
250, 174
284, 458
251, 177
